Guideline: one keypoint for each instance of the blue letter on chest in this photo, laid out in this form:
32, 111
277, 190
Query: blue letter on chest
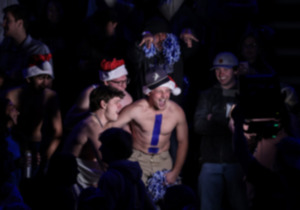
155, 134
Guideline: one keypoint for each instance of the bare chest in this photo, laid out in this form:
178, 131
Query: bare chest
162, 124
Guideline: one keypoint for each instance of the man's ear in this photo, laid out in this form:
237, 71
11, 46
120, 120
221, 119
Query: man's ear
20, 23
103, 104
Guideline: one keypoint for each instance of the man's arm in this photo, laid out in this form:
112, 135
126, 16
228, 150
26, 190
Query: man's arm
182, 139
75, 141
93, 136
56, 122
81, 105
126, 115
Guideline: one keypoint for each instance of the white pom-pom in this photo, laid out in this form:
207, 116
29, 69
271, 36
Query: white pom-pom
176, 91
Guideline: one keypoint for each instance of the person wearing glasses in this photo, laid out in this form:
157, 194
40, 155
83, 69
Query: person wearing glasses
112, 73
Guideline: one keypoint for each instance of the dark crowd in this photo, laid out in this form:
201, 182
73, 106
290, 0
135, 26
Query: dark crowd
145, 104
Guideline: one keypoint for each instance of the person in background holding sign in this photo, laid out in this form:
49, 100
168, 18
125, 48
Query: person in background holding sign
152, 121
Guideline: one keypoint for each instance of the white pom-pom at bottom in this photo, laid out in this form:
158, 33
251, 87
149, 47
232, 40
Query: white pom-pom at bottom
176, 91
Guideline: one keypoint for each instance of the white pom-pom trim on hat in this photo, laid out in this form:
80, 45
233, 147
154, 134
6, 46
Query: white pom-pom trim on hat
44, 68
113, 74
170, 84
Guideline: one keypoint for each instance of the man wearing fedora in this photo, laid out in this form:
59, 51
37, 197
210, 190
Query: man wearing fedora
152, 120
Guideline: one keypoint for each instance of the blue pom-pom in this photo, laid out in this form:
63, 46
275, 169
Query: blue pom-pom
171, 49
149, 52
157, 185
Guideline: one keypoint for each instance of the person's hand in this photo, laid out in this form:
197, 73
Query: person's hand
147, 39
171, 177
187, 36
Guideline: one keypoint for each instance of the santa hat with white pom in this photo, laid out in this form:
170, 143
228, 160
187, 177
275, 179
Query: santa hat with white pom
39, 64
112, 69
160, 78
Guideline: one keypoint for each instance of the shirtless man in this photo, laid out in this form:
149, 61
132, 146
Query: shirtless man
40, 123
113, 73
83, 141
152, 121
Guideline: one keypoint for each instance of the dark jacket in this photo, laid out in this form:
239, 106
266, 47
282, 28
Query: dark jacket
216, 138
123, 188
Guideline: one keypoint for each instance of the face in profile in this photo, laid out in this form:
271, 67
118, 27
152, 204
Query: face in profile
10, 25
113, 107
159, 97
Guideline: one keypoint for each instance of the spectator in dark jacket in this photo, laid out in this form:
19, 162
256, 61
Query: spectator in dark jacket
220, 172
121, 184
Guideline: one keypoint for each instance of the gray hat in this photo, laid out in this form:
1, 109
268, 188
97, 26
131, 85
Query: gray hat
226, 60
160, 78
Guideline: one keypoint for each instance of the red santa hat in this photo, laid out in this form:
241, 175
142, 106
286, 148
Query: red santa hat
160, 78
39, 64
112, 69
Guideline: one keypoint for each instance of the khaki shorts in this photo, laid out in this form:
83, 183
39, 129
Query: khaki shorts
150, 163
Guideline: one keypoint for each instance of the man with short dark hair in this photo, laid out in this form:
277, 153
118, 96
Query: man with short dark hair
18, 46
105, 104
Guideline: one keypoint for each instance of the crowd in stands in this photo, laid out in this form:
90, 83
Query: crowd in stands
144, 104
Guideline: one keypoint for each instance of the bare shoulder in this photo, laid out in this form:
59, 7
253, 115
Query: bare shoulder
88, 125
175, 108
127, 99
127, 95
13, 94
50, 93
83, 131
138, 105
14, 91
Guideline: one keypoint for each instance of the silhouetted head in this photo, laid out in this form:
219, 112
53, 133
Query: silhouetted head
116, 144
